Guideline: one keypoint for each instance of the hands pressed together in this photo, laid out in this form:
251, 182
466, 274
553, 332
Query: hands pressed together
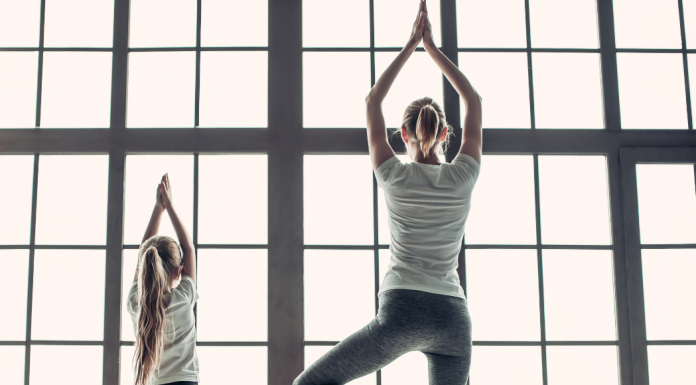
422, 29
164, 194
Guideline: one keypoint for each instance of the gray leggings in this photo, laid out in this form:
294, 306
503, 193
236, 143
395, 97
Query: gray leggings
407, 320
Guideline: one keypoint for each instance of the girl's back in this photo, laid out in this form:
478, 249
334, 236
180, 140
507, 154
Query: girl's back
179, 361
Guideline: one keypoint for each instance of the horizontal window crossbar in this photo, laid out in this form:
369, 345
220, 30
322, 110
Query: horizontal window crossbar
213, 246
178, 49
671, 342
55, 49
215, 343
54, 247
670, 246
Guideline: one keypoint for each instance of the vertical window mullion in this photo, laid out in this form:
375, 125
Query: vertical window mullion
610, 79
687, 87
196, 120
530, 77
30, 280
540, 273
42, 22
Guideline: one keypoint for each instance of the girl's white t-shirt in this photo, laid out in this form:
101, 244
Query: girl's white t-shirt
179, 359
427, 206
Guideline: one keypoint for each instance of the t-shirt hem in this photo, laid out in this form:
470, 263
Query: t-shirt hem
185, 377
423, 288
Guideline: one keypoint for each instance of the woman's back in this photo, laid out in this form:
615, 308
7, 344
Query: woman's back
428, 206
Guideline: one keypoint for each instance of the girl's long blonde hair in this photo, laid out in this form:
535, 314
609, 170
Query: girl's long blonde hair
159, 256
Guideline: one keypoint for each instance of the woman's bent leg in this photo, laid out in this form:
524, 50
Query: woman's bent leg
448, 370
366, 351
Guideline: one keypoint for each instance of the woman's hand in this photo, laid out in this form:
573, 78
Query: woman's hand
165, 192
159, 204
427, 28
418, 25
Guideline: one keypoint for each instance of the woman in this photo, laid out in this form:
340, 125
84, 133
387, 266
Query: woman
161, 302
421, 303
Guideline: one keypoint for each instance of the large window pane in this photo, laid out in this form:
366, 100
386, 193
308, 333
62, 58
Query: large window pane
338, 200
567, 90
313, 353
666, 203
161, 89
491, 24
335, 101
19, 23
502, 208
79, 23
234, 89
15, 267
574, 200
503, 293
163, 23
502, 80
128, 266
16, 174
568, 365
76, 90
49, 363
233, 285
579, 295
690, 22
394, 21
670, 365
647, 24
411, 368
339, 293
237, 215
143, 174
71, 206
642, 76
221, 23
669, 284
495, 365
234, 364
12, 358
127, 375
18, 74
563, 24
327, 23
79, 273
419, 77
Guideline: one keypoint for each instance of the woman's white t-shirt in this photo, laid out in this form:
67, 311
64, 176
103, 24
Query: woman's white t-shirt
179, 359
427, 206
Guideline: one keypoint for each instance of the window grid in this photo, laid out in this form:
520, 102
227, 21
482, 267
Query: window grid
281, 32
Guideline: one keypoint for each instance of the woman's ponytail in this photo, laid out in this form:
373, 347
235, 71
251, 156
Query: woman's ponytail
427, 128
153, 285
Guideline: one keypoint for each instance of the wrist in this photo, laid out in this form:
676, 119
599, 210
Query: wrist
159, 208
412, 43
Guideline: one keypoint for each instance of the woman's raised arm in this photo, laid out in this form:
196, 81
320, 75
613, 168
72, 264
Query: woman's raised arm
377, 140
473, 135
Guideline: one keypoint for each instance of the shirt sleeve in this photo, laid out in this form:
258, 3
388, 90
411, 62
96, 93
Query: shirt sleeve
468, 167
187, 288
385, 170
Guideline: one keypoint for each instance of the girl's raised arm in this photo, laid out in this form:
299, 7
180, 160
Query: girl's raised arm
377, 140
153, 226
473, 135
187, 249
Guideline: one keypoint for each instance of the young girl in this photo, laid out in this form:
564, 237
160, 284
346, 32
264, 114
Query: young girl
421, 303
161, 301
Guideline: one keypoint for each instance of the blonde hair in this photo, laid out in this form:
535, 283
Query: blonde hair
159, 256
424, 120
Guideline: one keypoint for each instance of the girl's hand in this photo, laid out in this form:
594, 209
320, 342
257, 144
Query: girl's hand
418, 26
159, 204
166, 192
427, 28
